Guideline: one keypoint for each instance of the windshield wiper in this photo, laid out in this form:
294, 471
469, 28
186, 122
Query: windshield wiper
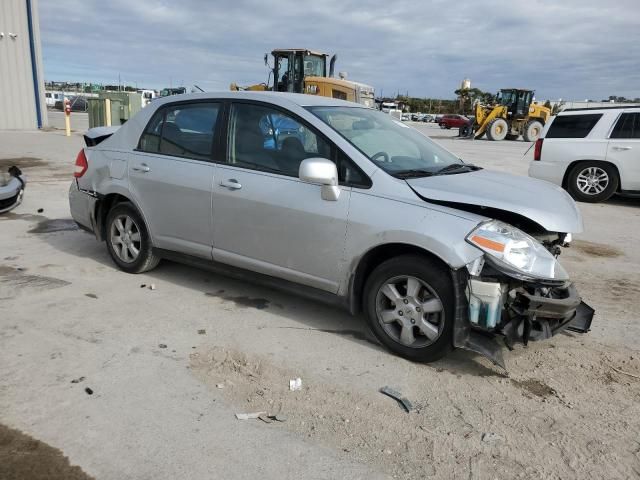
412, 173
455, 167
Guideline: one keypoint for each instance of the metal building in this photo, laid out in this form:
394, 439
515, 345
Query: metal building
22, 100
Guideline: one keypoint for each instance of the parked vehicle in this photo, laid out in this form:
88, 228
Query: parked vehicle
52, 97
452, 121
428, 118
354, 208
12, 185
593, 153
147, 96
406, 117
167, 92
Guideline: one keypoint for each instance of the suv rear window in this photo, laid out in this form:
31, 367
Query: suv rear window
573, 126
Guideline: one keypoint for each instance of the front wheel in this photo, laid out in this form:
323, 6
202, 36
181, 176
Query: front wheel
128, 240
532, 131
409, 306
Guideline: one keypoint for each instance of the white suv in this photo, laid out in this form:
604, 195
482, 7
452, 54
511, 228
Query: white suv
591, 152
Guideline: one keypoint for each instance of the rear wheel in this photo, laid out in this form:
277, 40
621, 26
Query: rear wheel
592, 181
128, 240
497, 129
409, 305
532, 131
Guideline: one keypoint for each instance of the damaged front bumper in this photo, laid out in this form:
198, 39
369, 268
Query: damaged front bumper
12, 185
493, 305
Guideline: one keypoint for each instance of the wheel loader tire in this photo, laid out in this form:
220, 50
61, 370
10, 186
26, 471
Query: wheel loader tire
497, 129
532, 131
512, 136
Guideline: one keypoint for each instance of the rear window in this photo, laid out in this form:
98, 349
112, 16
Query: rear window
573, 126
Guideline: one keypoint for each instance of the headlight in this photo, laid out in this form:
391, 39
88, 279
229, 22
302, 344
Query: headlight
516, 252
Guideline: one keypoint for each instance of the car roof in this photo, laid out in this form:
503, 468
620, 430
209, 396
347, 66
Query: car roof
283, 99
596, 109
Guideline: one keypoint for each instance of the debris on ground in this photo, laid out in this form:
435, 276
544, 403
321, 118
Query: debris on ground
249, 416
40, 210
143, 285
264, 416
403, 401
202, 331
88, 391
219, 385
633, 375
490, 437
295, 384
91, 295
162, 345
152, 286
77, 380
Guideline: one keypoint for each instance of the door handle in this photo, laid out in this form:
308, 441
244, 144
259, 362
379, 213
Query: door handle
231, 184
622, 148
143, 167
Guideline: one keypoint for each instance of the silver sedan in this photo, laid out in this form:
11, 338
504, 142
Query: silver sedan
337, 202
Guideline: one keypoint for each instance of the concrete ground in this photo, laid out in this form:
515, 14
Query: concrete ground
167, 368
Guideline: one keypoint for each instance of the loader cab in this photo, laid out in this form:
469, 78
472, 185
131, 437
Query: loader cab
517, 101
291, 66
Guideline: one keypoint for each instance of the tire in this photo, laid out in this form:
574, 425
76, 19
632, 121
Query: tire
592, 182
395, 328
532, 131
442, 126
512, 136
497, 129
126, 233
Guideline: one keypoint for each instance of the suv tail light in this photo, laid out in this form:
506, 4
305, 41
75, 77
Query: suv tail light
81, 164
537, 150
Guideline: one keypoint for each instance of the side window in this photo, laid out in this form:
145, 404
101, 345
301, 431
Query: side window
150, 139
628, 126
349, 174
184, 130
266, 139
573, 126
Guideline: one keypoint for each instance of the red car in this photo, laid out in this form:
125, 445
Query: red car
452, 121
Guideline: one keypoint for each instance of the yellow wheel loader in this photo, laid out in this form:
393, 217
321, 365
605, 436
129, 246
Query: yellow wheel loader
512, 115
305, 71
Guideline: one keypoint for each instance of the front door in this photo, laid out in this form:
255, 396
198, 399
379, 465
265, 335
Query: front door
171, 176
265, 218
624, 149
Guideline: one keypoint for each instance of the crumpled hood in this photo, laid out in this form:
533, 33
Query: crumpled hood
542, 202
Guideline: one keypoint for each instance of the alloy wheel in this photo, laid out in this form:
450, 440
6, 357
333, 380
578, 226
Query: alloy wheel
410, 311
592, 180
125, 238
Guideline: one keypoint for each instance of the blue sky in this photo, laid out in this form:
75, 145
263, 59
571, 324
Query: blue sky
570, 49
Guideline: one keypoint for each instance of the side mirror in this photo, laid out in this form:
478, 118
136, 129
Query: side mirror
323, 172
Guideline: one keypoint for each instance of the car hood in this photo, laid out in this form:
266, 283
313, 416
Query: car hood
541, 202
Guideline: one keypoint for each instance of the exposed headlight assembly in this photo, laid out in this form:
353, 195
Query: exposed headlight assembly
515, 253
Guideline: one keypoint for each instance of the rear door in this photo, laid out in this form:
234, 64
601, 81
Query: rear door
171, 175
624, 149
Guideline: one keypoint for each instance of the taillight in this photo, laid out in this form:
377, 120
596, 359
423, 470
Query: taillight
537, 150
81, 164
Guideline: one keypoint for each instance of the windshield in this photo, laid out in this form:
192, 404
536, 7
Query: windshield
396, 148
